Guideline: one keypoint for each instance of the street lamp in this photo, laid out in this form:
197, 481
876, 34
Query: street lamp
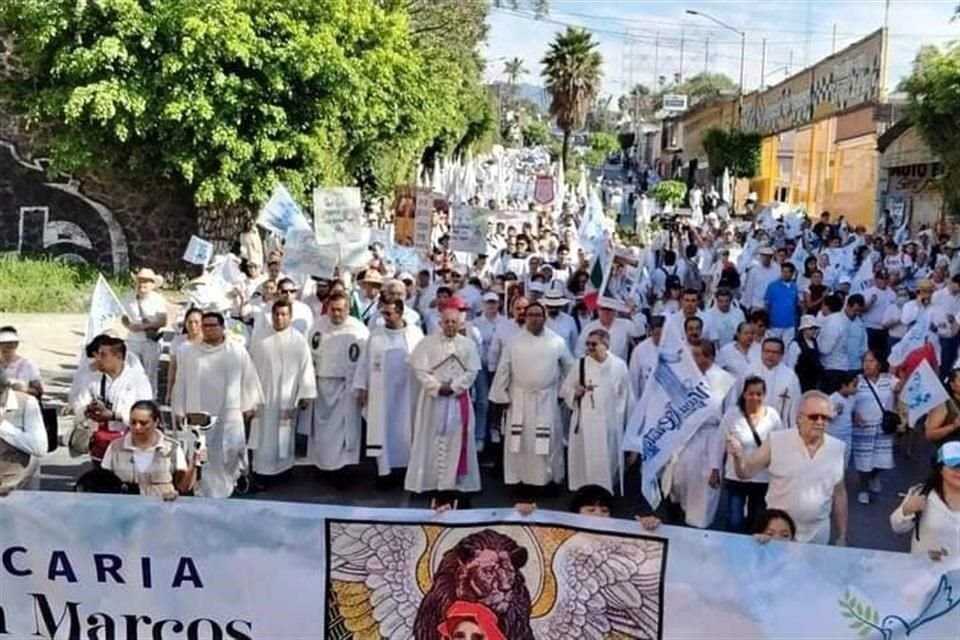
743, 49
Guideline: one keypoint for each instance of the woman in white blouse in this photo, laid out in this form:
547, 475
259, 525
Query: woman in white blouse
932, 511
191, 335
872, 448
750, 422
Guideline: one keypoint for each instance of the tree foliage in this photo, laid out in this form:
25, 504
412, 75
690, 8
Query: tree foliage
603, 142
572, 70
536, 134
933, 91
230, 96
735, 150
670, 192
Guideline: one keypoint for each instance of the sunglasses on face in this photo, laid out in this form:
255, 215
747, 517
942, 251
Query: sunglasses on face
818, 417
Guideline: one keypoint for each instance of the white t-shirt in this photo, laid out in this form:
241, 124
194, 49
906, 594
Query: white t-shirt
22, 370
873, 318
734, 423
866, 406
149, 309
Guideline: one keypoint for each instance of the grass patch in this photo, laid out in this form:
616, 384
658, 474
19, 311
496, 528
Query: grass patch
29, 285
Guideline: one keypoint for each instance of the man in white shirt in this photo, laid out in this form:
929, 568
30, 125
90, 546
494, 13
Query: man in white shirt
505, 332
946, 305
23, 439
832, 342
394, 290
720, 321
734, 358
644, 356
878, 299
758, 277
805, 466
622, 332
302, 313
145, 314
783, 387
558, 320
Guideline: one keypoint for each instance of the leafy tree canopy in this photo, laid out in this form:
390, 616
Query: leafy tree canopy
229, 96
933, 105
536, 134
736, 150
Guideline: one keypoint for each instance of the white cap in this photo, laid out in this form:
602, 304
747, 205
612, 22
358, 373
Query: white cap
9, 335
845, 280
808, 322
490, 296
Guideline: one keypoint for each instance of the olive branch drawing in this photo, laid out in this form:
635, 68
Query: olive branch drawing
863, 618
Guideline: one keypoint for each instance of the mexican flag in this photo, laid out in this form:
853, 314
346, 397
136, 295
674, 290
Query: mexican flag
598, 267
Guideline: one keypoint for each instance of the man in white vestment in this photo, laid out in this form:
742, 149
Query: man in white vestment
644, 356
332, 424
387, 388
217, 378
444, 453
533, 366
695, 485
597, 389
285, 369
505, 332
783, 386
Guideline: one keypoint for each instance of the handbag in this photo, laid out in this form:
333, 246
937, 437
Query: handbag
78, 444
890, 422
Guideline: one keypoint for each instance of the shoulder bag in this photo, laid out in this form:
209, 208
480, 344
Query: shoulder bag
891, 419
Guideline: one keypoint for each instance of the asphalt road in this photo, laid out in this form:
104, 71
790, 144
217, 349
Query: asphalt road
52, 341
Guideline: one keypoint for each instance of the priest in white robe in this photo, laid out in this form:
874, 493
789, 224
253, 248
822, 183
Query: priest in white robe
644, 356
217, 377
598, 391
387, 388
783, 386
533, 366
695, 475
285, 368
444, 454
332, 424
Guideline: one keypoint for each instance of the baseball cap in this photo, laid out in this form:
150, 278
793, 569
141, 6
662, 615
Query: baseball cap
490, 296
949, 454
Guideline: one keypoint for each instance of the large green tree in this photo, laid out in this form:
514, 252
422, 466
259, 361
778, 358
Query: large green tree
572, 70
230, 96
933, 91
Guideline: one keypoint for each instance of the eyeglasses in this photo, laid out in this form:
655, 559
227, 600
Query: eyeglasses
818, 417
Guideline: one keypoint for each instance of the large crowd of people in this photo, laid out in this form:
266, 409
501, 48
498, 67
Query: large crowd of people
502, 359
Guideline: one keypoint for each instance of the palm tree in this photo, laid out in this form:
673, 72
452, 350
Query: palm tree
514, 70
572, 72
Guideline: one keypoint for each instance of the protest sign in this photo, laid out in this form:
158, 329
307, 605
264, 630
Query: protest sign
199, 251
619, 280
404, 215
281, 212
404, 259
923, 392
303, 255
515, 219
423, 220
148, 569
338, 215
468, 229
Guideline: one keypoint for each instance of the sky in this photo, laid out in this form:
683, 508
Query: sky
798, 34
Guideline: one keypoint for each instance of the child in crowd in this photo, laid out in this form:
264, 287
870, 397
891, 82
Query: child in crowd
842, 401
775, 524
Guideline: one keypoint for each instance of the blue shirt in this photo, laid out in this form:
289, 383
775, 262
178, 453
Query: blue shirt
781, 298
856, 344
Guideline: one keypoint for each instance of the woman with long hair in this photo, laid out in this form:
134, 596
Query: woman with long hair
932, 510
943, 423
191, 335
872, 448
750, 422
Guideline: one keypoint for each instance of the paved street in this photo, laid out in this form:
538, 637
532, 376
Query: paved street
52, 341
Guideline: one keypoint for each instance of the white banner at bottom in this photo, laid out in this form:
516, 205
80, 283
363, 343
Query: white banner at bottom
128, 568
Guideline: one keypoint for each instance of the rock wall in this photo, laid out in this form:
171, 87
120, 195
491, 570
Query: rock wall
115, 222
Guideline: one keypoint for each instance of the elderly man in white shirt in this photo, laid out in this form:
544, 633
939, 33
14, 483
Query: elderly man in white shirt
145, 314
23, 439
622, 332
806, 467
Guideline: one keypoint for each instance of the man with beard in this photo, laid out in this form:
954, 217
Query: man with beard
217, 378
332, 424
528, 378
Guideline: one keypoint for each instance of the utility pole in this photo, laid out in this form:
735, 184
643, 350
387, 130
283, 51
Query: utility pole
656, 62
763, 64
790, 64
833, 49
706, 55
681, 53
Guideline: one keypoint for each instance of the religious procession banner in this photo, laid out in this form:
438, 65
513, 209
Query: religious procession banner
404, 215
423, 220
468, 229
338, 221
130, 568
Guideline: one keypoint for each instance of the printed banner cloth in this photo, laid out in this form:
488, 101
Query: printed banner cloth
132, 568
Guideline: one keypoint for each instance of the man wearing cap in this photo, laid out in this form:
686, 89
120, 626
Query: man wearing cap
370, 284
332, 424
623, 333
758, 278
386, 388
145, 314
558, 320
23, 438
23, 374
285, 368
529, 374
443, 456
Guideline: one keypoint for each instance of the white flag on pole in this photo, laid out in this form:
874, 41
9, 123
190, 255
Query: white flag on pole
105, 310
675, 402
923, 392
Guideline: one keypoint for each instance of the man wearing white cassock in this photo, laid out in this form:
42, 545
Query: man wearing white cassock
533, 366
695, 475
332, 424
644, 356
444, 454
387, 389
598, 391
285, 368
783, 386
217, 377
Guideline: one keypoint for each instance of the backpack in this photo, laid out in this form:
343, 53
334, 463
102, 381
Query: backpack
729, 277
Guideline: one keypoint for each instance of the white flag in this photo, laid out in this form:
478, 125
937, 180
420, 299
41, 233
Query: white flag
914, 339
675, 402
923, 392
105, 310
863, 279
281, 212
199, 251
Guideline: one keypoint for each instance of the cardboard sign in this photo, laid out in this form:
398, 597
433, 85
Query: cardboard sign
404, 216
303, 255
338, 215
468, 229
423, 220
199, 251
